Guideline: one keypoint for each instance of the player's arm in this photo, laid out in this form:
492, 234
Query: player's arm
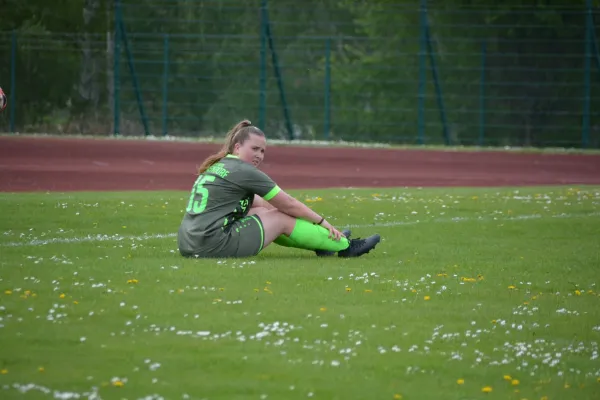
295, 208
272, 194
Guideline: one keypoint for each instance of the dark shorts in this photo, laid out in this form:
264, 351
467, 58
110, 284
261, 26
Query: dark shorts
242, 238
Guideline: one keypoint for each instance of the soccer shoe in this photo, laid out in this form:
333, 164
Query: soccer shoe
359, 246
325, 253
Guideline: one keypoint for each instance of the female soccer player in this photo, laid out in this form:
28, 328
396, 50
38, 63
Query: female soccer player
236, 210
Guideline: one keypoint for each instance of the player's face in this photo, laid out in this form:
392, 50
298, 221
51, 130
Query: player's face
253, 149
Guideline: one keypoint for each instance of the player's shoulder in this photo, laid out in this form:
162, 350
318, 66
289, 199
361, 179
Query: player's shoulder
232, 168
234, 164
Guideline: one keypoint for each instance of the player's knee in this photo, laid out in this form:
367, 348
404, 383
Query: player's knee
284, 222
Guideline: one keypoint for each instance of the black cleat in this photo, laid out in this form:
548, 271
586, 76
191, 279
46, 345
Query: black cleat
359, 246
326, 253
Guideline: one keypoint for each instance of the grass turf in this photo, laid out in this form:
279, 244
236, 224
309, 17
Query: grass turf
472, 293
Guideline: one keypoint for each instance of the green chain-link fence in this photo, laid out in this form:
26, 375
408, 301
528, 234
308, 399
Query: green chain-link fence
319, 70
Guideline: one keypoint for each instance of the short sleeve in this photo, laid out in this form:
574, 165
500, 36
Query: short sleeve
257, 182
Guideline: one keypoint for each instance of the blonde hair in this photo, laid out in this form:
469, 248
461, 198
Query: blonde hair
238, 134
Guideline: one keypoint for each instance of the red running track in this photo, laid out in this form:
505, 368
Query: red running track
67, 164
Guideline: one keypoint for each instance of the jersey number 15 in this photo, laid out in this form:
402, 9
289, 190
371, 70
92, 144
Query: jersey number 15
199, 196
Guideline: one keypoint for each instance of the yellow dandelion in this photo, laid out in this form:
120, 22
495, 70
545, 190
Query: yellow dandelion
27, 292
348, 289
544, 398
577, 293
62, 296
221, 289
486, 389
442, 274
511, 287
132, 281
368, 290
75, 302
507, 377
414, 290
493, 321
460, 381
180, 290
41, 369
322, 309
525, 302
514, 382
118, 384
568, 386
4, 371
8, 292
397, 396
426, 298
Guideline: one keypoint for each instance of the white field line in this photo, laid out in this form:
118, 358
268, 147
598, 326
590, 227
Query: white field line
479, 219
120, 238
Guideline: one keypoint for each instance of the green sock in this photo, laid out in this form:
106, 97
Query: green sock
285, 241
307, 235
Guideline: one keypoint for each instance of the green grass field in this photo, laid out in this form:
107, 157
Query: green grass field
472, 294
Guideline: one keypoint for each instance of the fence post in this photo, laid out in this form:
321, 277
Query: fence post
595, 48
585, 128
262, 91
422, 74
13, 80
327, 123
134, 77
482, 94
116, 73
278, 76
165, 117
436, 82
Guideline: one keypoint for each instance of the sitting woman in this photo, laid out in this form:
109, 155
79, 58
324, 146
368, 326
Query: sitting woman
236, 210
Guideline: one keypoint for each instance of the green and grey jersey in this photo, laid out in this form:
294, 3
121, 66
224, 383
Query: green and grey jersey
221, 195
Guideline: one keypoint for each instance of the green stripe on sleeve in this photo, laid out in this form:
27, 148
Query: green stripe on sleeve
272, 193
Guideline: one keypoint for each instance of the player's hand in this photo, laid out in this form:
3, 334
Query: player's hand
333, 232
